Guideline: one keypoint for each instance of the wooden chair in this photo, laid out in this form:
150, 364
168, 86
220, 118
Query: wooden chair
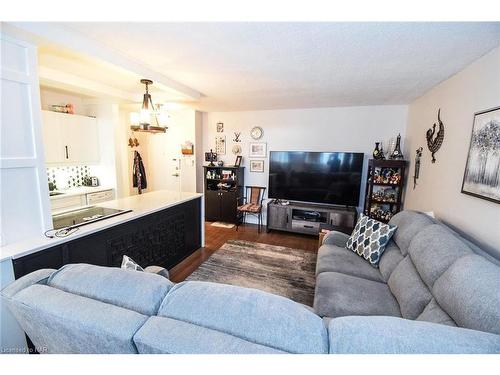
252, 204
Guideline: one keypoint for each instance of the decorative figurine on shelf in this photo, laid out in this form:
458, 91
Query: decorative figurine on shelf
434, 143
397, 154
417, 166
377, 154
211, 157
382, 155
395, 178
220, 163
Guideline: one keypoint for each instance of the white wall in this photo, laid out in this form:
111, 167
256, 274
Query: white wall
161, 153
350, 129
49, 97
474, 89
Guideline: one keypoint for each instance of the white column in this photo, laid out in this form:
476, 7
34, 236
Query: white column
24, 195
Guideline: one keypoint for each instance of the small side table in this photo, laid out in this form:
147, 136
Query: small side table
322, 234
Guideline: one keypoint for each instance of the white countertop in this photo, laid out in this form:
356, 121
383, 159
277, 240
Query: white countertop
80, 190
140, 205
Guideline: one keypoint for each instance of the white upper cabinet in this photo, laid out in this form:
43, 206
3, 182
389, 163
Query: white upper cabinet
70, 139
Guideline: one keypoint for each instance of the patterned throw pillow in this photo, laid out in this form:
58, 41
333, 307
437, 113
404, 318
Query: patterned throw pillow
129, 264
369, 238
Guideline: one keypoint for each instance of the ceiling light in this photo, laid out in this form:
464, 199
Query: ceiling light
141, 121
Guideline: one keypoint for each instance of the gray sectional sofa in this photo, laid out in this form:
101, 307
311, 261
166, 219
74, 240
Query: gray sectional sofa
433, 293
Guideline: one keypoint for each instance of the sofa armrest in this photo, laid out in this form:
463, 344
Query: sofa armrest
37, 277
336, 238
390, 335
158, 270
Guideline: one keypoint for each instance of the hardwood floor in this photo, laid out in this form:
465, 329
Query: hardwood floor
215, 237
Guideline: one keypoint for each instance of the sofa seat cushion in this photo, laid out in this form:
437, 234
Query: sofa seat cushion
338, 294
139, 291
249, 314
64, 323
409, 289
332, 258
170, 336
389, 335
409, 223
433, 250
469, 292
389, 261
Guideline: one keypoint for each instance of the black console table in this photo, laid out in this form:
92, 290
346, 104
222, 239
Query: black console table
308, 218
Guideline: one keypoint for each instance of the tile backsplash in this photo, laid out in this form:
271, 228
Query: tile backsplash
69, 176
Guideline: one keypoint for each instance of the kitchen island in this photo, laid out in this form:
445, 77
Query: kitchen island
163, 228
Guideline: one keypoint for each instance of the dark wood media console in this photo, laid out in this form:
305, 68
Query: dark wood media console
308, 218
162, 238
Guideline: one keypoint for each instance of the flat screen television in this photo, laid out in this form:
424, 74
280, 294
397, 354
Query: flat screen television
317, 177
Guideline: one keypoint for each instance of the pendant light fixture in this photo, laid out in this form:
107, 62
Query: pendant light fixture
141, 121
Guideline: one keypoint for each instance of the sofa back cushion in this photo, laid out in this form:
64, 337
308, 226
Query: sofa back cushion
248, 314
139, 291
469, 293
61, 322
435, 314
433, 250
409, 289
409, 223
390, 259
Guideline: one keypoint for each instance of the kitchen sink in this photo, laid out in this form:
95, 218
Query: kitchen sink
52, 193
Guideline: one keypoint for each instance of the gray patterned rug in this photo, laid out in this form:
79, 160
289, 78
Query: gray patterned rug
275, 269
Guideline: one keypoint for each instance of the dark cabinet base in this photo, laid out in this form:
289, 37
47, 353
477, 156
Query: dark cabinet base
308, 218
163, 238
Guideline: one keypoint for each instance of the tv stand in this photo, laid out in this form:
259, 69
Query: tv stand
309, 218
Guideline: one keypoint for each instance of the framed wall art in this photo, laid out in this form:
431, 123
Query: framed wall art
258, 150
220, 145
257, 166
482, 171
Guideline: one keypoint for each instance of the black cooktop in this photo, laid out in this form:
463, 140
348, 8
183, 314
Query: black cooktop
86, 215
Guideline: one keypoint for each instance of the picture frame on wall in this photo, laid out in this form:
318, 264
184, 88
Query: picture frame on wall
220, 127
257, 166
220, 145
481, 175
258, 150
237, 163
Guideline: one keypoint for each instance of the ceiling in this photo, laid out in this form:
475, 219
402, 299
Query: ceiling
255, 66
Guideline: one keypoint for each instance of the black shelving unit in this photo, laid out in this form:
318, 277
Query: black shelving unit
384, 188
223, 192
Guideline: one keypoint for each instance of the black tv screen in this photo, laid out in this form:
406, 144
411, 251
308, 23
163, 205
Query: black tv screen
318, 177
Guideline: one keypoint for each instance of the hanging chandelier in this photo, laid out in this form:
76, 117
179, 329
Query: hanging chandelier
150, 119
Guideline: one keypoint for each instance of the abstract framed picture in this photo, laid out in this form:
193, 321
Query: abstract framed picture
257, 166
258, 150
482, 171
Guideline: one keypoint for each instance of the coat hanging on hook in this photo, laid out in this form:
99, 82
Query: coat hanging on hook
139, 173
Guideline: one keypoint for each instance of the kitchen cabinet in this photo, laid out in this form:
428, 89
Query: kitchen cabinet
68, 203
70, 139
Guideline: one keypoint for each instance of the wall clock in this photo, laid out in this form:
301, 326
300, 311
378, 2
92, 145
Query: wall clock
256, 132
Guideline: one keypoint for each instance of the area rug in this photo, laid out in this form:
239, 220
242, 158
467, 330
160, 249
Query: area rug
275, 269
220, 224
